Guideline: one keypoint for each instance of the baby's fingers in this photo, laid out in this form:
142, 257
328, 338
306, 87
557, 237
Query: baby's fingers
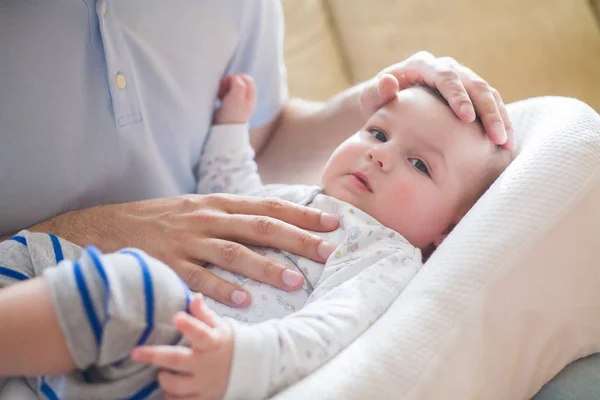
177, 386
201, 336
174, 358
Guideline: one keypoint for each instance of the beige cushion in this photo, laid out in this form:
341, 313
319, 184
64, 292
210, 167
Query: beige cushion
314, 61
523, 47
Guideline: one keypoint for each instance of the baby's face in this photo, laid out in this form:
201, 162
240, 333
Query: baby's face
414, 166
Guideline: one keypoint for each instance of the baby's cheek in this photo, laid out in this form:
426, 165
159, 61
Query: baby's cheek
398, 207
416, 214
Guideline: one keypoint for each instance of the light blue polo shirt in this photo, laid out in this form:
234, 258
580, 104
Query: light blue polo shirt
111, 100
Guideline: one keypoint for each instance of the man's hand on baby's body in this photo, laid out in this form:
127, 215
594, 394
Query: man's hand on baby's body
467, 94
200, 371
237, 94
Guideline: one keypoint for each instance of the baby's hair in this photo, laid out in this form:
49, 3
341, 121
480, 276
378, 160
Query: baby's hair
435, 92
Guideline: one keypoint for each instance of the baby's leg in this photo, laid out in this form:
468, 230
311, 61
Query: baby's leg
97, 309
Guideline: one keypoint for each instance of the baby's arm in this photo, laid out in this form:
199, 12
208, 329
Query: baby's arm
227, 164
276, 353
89, 313
255, 361
30, 339
31, 342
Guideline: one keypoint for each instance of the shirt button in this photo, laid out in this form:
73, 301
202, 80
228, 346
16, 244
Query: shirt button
103, 8
120, 81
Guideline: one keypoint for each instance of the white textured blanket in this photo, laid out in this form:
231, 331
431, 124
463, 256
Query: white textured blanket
512, 295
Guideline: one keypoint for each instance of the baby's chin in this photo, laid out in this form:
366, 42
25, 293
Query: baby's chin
345, 195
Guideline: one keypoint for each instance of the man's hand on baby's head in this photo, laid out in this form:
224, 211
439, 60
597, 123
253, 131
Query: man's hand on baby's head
237, 94
467, 94
201, 371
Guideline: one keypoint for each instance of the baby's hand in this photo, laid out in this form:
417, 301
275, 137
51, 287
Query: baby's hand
238, 98
199, 372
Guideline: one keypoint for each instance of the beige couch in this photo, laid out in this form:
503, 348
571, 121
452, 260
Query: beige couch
524, 48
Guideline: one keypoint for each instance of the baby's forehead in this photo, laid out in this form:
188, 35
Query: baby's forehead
422, 114
425, 111
418, 104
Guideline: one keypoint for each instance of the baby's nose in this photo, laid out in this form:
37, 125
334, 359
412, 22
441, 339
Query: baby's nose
380, 159
371, 158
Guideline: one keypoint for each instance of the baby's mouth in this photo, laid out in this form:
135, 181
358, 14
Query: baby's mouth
363, 180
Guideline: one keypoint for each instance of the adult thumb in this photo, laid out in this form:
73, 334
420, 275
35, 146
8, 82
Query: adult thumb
377, 92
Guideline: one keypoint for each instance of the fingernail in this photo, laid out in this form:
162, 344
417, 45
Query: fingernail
328, 220
291, 278
500, 132
238, 297
325, 250
467, 110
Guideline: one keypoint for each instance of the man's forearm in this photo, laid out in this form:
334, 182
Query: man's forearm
82, 227
46, 226
305, 136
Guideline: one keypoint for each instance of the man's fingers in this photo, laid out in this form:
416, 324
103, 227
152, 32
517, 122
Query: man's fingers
297, 215
482, 95
417, 69
451, 87
511, 140
269, 222
388, 87
176, 384
267, 231
502, 109
175, 358
466, 93
443, 76
237, 258
377, 92
201, 280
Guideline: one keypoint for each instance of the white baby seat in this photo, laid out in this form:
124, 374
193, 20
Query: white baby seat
513, 294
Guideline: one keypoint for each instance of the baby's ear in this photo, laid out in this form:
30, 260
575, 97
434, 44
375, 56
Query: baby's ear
437, 242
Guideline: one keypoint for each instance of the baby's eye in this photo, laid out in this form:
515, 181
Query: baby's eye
377, 134
420, 165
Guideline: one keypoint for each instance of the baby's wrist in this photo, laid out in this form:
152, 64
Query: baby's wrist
227, 118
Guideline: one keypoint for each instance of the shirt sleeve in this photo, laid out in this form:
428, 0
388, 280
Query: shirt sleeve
15, 262
227, 165
276, 353
27, 254
260, 55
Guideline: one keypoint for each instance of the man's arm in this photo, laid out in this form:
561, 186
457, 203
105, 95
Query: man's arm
295, 147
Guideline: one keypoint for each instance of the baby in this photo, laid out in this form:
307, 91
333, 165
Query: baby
398, 187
